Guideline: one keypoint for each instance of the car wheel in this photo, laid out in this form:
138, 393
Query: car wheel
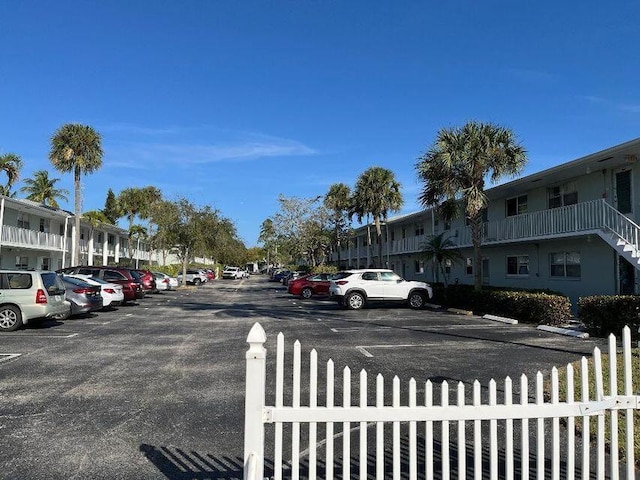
416, 300
197, 281
10, 318
355, 301
306, 293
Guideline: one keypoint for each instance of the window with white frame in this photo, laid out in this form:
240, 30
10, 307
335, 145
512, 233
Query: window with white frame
111, 240
61, 229
22, 263
518, 265
469, 266
447, 266
517, 205
46, 264
23, 220
419, 266
45, 225
562, 195
419, 229
565, 264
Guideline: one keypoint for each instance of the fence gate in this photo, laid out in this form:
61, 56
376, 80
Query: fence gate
429, 438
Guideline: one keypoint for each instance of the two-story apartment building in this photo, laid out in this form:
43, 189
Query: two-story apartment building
41, 237
571, 228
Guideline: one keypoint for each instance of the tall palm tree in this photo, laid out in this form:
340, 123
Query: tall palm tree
43, 189
454, 169
376, 194
10, 164
338, 202
438, 250
76, 148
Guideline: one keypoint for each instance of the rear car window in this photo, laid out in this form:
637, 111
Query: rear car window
21, 281
135, 274
110, 275
341, 275
52, 283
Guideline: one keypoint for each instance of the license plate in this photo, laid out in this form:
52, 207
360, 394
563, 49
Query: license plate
57, 298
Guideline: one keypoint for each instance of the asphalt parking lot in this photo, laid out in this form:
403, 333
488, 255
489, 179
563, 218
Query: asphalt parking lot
156, 390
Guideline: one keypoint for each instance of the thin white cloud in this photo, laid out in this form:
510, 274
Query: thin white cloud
624, 107
128, 129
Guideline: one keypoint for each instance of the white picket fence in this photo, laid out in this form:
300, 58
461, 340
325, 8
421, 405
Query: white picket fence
423, 444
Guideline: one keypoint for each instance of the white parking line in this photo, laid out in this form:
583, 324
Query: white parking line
8, 356
364, 349
42, 336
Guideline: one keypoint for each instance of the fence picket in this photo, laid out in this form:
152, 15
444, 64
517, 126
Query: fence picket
597, 366
508, 400
313, 403
613, 390
524, 455
329, 426
477, 436
628, 390
346, 426
540, 429
413, 450
277, 459
444, 447
295, 427
363, 426
462, 453
584, 386
428, 454
493, 434
396, 430
380, 429
571, 428
555, 427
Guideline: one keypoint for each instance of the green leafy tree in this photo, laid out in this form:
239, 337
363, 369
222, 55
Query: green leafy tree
95, 218
377, 193
454, 169
111, 207
43, 189
76, 148
438, 250
269, 239
10, 164
138, 203
136, 234
338, 203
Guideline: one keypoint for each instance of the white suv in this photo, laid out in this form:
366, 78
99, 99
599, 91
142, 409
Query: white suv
355, 288
234, 273
29, 294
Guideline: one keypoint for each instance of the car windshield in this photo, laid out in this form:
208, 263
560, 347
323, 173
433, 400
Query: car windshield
341, 275
135, 274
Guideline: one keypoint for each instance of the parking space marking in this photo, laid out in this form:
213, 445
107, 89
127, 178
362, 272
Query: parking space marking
37, 335
364, 349
8, 356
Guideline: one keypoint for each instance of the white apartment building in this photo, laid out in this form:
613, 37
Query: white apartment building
572, 228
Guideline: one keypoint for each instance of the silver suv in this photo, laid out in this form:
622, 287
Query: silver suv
27, 295
355, 288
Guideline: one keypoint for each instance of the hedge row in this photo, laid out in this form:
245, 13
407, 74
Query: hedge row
605, 314
539, 307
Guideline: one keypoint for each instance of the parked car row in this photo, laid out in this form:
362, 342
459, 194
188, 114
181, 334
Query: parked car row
197, 276
26, 295
354, 289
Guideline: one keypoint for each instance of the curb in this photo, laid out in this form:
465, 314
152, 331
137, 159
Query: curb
496, 318
563, 331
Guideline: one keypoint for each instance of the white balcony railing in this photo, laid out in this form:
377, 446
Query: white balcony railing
591, 216
24, 237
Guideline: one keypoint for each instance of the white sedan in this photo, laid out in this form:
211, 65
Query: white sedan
112, 294
165, 282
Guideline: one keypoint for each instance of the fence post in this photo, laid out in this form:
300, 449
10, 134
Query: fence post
254, 404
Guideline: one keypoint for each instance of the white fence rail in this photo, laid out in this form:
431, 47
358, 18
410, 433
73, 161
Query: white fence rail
442, 441
25, 237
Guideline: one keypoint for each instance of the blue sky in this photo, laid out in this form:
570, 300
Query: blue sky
230, 104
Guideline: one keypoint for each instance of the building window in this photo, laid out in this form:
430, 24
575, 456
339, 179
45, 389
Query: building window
419, 266
393, 235
469, 266
565, 264
100, 237
45, 225
516, 205
404, 232
447, 225
419, 230
447, 266
111, 240
61, 230
23, 220
563, 195
22, 263
46, 264
518, 265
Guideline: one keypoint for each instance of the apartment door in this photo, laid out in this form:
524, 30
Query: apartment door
623, 194
485, 271
626, 277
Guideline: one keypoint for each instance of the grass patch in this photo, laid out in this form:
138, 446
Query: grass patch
635, 374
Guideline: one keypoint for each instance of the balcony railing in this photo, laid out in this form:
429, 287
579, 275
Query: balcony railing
591, 216
24, 237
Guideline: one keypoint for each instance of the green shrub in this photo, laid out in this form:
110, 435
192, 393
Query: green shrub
525, 306
605, 314
324, 269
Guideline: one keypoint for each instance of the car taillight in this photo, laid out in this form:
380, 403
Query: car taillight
83, 290
41, 297
110, 290
341, 282
166, 280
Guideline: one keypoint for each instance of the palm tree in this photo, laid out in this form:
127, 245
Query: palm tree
455, 167
338, 202
43, 189
76, 148
377, 193
137, 232
95, 218
10, 163
138, 202
438, 250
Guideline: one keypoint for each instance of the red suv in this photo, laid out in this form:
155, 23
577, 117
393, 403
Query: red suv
131, 286
147, 279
